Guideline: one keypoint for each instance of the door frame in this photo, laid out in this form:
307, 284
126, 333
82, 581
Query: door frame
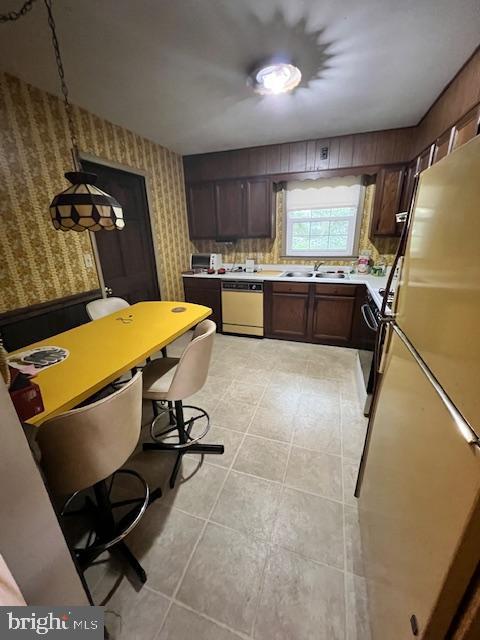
91, 157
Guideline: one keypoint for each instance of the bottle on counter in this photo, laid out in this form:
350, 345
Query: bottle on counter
363, 262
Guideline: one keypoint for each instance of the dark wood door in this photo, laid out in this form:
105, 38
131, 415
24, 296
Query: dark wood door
332, 321
206, 292
258, 208
286, 310
386, 205
201, 210
229, 205
127, 256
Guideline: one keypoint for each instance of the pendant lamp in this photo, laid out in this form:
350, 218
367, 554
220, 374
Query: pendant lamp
82, 206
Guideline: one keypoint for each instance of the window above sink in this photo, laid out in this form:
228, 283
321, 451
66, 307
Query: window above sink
322, 217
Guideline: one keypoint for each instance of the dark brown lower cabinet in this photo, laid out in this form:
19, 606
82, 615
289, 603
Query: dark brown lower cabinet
286, 310
332, 321
206, 291
320, 313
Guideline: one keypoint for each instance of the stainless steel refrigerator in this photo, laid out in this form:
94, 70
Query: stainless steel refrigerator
419, 482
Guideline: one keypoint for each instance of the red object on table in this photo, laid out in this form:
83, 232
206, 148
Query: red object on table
26, 395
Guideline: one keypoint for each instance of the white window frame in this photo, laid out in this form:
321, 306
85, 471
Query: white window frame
353, 231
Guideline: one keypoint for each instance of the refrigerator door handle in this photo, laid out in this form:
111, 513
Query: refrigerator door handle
462, 424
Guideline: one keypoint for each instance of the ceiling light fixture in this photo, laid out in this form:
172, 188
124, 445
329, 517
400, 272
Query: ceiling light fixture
82, 206
275, 78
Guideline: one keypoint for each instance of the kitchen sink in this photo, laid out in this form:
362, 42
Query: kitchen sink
334, 274
298, 274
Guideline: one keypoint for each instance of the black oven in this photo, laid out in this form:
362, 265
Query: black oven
371, 317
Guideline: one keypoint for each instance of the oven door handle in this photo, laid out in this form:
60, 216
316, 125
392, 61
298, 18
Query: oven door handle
369, 318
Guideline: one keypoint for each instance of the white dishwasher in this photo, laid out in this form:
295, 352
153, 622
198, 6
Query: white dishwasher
242, 307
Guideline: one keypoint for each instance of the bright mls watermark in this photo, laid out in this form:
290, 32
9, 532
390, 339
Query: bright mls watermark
56, 622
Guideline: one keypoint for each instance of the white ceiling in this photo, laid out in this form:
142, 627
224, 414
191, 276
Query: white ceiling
175, 70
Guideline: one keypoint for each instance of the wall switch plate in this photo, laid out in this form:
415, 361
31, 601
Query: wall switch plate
88, 260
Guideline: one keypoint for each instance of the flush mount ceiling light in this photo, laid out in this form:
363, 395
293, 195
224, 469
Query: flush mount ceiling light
275, 78
82, 206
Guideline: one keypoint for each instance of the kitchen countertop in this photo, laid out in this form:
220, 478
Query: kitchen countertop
373, 283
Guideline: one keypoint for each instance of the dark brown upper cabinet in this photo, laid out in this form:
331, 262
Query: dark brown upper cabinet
229, 209
442, 146
408, 188
259, 211
386, 205
425, 159
466, 128
201, 210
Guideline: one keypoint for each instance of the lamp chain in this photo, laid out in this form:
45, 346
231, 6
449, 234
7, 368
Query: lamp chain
15, 15
63, 84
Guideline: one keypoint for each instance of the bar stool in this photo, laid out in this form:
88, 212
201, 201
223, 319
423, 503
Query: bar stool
104, 307
174, 380
81, 449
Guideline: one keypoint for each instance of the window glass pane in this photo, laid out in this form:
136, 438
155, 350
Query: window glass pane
338, 242
346, 211
319, 242
338, 227
301, 228
332, 212
299, 243
300, 214
320, 228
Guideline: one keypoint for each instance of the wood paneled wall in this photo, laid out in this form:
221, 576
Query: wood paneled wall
357, 150
458, 97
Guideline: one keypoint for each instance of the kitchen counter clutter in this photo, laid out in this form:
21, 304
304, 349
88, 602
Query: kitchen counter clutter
276, 273
291, 302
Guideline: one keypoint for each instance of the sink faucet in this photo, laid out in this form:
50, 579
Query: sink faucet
317, 265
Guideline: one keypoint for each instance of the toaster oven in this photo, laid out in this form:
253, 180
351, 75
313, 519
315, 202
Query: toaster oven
205, 261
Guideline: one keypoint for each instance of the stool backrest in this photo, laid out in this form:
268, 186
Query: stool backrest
104, 307
192, 370
86, 445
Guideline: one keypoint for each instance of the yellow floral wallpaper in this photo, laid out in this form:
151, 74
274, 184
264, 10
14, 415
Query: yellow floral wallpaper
38, 263
265, 251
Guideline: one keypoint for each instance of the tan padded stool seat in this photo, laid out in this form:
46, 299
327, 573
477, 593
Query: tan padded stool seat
157, 378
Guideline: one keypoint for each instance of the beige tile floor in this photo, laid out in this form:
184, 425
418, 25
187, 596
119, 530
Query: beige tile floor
261, 543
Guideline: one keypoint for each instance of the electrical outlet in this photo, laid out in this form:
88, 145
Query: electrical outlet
88, 260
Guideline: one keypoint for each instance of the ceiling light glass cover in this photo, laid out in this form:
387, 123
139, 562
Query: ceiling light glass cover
84, 207
276, 78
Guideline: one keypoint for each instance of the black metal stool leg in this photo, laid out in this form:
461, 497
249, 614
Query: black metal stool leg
186, 443
154, 495
206, 448
176, 469
132, 561
106, 528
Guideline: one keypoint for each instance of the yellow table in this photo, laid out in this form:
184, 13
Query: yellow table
102, 350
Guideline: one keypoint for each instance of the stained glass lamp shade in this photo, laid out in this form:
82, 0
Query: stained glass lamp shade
83, 206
